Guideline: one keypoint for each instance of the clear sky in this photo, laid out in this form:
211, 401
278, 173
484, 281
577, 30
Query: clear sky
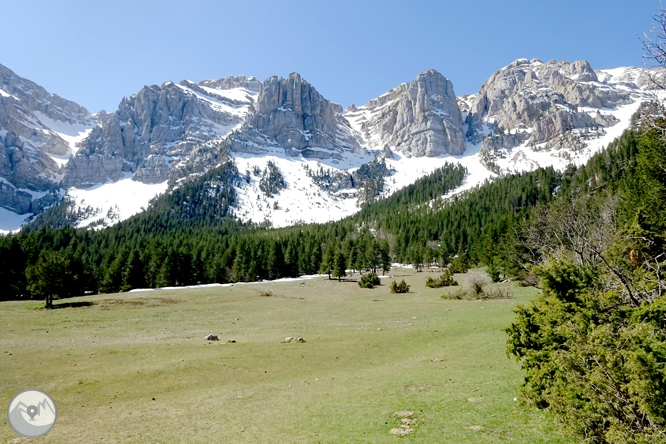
97, 52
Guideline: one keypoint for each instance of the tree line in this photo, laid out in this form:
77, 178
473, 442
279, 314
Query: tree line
190, 236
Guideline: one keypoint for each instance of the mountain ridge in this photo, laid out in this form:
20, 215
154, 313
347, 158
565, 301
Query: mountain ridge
527, 114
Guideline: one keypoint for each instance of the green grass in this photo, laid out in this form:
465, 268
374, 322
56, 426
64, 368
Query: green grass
135, 367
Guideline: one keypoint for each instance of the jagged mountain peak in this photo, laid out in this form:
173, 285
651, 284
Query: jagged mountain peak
420, 118
293, 92
38, 133
429, 73
248, 82
35, 98
556, 107
292, 117
155, 130
527, 92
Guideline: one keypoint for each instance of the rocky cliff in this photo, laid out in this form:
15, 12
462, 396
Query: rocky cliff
421, 118
291, 115
544, 99
38, 131
156, 129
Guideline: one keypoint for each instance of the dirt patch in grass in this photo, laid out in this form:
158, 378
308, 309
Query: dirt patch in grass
109, 304
270, 294
418, 387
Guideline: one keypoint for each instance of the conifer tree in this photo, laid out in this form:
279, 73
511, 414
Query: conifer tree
339, 264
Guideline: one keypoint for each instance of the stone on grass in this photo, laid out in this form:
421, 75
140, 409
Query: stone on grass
402, 430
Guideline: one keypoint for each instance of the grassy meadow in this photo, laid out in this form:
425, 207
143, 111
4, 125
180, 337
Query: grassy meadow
135, 368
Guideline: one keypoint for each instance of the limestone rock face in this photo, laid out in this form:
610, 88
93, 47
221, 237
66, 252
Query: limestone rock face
421, 118
290, 114
35, 130
545, 97
155, 129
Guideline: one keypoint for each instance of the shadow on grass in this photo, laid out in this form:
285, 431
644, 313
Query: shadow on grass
57, 306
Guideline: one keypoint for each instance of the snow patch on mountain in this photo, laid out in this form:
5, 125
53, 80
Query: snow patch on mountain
113, 202
304, 201
71, 133
215, 98
4, 93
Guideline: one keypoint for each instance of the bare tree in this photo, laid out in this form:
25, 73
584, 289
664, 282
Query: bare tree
654, 55
654, 43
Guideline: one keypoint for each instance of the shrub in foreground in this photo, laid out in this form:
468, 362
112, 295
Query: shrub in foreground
369, 280
469, 294
445, 280
593, 358
401, 287
479, 290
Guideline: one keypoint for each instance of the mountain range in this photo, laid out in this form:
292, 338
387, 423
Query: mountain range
301, 157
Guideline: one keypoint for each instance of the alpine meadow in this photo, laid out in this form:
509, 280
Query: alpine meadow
238, 260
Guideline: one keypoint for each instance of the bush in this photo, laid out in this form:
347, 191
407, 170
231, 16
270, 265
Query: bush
479, 290
369, 280
496, 293
402, 287
460, 294
445, 280
593, 359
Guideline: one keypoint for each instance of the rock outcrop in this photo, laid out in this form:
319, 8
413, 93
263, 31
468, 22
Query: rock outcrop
34, 130
421, 118
155, 129
543, 98
290, 114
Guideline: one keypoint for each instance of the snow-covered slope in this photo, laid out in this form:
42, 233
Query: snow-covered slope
304, 201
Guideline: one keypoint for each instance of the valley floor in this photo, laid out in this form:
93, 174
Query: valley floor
135, 368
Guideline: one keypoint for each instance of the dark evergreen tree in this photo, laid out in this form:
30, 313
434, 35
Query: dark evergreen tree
339, 266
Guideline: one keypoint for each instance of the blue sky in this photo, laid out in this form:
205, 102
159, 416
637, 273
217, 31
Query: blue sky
96, 53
